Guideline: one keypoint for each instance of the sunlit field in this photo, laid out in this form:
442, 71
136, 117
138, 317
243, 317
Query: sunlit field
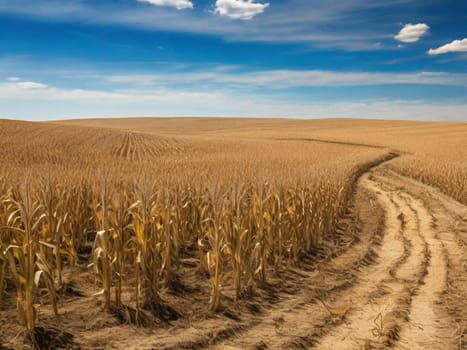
171, 232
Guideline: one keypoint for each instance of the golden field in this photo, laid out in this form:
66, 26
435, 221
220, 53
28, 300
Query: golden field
135, 210
434, 152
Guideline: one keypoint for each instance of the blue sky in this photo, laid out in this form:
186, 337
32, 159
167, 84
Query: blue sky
402, 59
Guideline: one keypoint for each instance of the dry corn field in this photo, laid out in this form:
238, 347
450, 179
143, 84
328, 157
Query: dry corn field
193, 233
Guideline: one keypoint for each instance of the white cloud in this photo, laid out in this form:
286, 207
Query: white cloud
284, 79
13, 79
455, 46
178, 4
30, 85
412, 32
239, 9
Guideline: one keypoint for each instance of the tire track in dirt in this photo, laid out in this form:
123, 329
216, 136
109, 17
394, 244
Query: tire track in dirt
426, 330
422, 316
440, 308
384, 294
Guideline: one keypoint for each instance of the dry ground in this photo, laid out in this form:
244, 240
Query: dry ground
394, 274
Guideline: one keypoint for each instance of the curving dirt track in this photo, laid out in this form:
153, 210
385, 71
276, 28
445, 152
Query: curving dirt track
401, 283
416, 293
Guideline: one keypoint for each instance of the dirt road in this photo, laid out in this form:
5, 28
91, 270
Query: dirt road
401, 283
416, 293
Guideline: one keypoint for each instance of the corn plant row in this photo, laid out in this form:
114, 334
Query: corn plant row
243, 229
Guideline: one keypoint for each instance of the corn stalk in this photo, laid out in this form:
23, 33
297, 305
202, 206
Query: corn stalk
28, 266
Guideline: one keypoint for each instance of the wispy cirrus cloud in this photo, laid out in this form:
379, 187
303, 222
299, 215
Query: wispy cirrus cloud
286, 79
30, 85
178, 4
239, 9
411, 33
15, 83
34, 91
454, 46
